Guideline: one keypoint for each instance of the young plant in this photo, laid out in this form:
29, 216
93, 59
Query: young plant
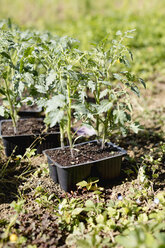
62, 79
110, 85
20, 67
11, 87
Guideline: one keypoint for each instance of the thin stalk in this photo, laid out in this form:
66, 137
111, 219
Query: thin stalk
62, 136
103, 141
69, 117
13, 112
98, 102
105, 129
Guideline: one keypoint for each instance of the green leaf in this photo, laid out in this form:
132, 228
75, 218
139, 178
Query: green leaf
20, 87
134, 127
120, 116
82, 184
77, 211
2, 111
51, 77
127, 241
104, 106
28, 51
54, 117
142, 82
28, 78
131, 55
89, 204
117, 76
92, 85
55, 102
135, 89
6, 55
100, 219
2, 91
21, 66
143, 218
103, 93
82, 243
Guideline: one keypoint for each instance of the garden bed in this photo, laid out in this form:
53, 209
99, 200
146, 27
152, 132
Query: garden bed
129, 211
39, 225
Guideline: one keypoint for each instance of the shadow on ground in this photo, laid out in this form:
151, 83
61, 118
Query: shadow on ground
137, 147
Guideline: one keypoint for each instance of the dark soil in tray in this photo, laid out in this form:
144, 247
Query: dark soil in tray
82, 154
27, 126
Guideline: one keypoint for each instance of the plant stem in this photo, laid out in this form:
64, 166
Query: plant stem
69, 117
62, 136
97, 102
13, 112
105, 129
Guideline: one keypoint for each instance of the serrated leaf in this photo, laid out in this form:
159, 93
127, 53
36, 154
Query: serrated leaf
104, 106
135, 128
117, 76
41, 103
28, 78
103, 93
106, 82
20, 87
55, 102
119, 116
50, 78
54, 117
91, 85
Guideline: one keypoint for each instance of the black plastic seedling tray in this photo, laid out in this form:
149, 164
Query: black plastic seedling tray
105, 169
19, 143
33, 113
30, 113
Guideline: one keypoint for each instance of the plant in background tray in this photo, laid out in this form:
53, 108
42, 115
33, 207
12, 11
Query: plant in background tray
18, 62
63, 80
110, 85
11, 87
100, 74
